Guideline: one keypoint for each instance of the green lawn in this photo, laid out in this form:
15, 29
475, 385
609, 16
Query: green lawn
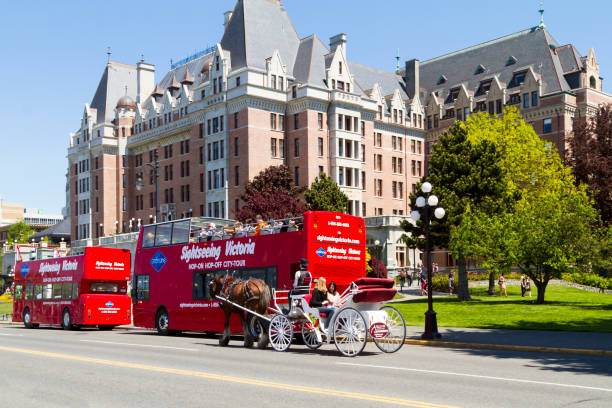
565, 309
6, 308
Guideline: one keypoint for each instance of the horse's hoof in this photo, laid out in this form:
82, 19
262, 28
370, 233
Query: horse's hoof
248, 342
223, 342
263, 342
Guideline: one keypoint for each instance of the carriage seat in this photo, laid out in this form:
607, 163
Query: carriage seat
307, 300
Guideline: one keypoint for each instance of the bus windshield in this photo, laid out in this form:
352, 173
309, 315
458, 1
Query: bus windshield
107, 287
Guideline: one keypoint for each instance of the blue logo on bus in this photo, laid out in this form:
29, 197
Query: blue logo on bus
109, 304
321, 252
158, 261
25, 269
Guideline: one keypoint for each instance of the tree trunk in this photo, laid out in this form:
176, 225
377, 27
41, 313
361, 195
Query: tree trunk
541, 285
463, 292
492, 282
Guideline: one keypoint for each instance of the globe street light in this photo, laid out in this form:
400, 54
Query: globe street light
425, 206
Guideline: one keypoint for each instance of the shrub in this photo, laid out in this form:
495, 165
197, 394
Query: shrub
588, 279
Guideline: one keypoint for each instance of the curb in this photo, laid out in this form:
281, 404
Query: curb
456, 344
533, 349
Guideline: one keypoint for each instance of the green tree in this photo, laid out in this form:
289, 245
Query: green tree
20, 232
325, 195
464, 174
549, 229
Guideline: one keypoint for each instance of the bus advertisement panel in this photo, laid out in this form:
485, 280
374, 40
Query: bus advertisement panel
84, 290
172, 266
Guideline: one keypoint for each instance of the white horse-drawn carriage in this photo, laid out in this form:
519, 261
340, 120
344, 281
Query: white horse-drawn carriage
360, 313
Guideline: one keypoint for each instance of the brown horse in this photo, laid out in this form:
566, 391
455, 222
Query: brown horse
253, 294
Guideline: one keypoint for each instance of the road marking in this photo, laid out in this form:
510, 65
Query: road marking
477, 376
238, 380
138, 345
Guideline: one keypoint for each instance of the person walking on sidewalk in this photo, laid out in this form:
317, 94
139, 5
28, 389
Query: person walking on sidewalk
402, 279
523, 285
502, 285
451, 283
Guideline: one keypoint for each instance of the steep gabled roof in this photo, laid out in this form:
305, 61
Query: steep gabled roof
532, 47
255, 30
115, 78
309, 67
366, 77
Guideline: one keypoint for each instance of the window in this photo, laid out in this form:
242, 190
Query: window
66, 290
296, 176
236, 147
419, 168
237, 81
517, 79
201, 182
534, 99
296, 121
237, 175
484, 87
47, 291
281, 148
236, 120
341, 176
515, 99
394, 189
296, 147
363, 153
340, 122
547, 125
273, 121
498, 106
57, 291
142, 287
201, 155
294, 91
436, 121
273, 82
525, 100
378, 139
320, 146
491, 108
320, 120
378, 187
400, 165
320, 170
273, 147
419, 146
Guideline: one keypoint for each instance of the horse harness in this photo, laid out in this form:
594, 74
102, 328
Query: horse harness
247, 292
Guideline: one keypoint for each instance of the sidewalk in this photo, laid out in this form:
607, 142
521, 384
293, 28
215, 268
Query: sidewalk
520, 338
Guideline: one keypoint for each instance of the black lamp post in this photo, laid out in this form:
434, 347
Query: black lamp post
377, 244
140, 183
426, 205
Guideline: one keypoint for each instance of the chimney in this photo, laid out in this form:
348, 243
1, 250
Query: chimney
227, 16
411, 78
336, 40
145, 80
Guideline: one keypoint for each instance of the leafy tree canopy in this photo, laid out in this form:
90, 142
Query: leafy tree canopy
273, 178
325, 195
20, 232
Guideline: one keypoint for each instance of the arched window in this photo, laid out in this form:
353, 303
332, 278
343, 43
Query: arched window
593, 82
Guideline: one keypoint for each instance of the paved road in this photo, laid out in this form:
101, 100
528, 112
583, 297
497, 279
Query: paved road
55, 368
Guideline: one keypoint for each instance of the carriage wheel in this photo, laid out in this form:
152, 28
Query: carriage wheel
310, 336
350, 334
394, 340
280, 332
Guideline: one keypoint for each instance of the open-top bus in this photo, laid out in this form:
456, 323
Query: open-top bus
74, 291
173, 264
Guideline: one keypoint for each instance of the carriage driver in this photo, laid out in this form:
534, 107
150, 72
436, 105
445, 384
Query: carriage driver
301, 282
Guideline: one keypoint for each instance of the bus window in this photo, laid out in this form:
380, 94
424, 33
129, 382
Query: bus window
148, 236
267, 275
66, 290
18, 291
75, 290
57, 291
104, 287
37, 292
29, 292
180, 232
163, 234
47, 291
200, 284
142, 287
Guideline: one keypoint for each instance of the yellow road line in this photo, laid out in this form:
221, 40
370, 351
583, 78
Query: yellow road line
225, 378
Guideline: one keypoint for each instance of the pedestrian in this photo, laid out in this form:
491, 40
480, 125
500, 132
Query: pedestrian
423, 286
436, 268
502, 285
451, 282
408, 277
421, 275
528, 285
402, 280
523, 285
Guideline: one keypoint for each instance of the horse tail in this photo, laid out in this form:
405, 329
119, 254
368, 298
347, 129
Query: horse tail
264, 299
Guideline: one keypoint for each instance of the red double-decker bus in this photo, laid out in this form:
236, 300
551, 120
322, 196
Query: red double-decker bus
74, 291
173, 264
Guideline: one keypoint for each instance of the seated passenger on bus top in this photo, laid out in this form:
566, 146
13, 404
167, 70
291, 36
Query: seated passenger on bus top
319, 300
201, 234
332, 294
302, 279
211, 231
286, 222
260, 224
237, 231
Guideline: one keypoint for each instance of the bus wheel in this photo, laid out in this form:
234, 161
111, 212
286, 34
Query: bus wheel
27, 319
66, 320
162, 322
105, 327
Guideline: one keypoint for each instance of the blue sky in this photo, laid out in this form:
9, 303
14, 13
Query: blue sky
53, 54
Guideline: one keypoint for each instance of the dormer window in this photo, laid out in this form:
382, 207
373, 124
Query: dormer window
517, 79
483, 88
479, 69
341, 85
217, 63
441, 80
452, 95
511, 60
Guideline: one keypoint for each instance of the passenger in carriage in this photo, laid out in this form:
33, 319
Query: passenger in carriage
319, 300
332, 294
